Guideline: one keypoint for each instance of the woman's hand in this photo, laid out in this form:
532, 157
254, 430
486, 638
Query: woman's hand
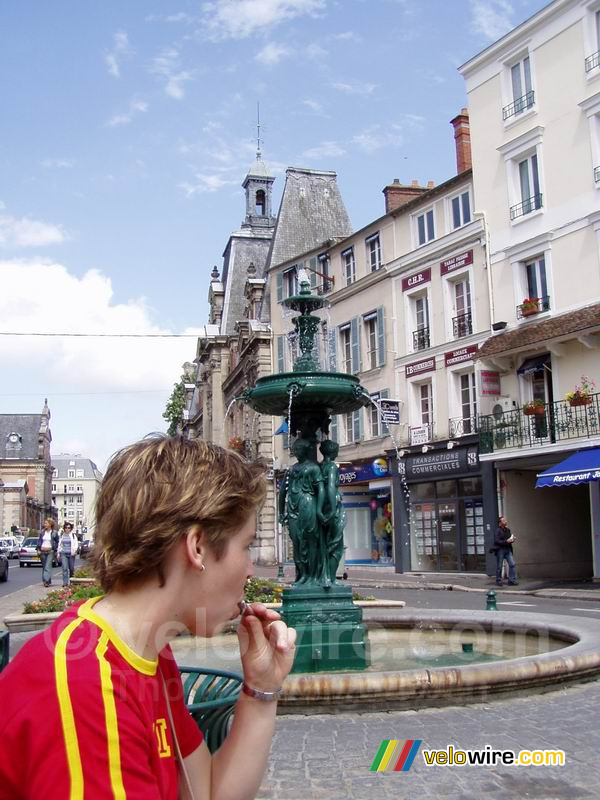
267, 647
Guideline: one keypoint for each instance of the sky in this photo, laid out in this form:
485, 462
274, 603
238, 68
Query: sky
127, 131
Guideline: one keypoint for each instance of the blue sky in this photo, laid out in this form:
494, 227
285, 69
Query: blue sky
127, 130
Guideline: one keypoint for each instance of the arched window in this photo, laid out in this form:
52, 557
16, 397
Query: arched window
261, 203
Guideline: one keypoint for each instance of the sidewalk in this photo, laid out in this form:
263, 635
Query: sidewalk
13, 603
382, 577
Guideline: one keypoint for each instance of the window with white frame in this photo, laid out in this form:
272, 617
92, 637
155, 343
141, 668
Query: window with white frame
346, 347
424, 403
460, 207
71, 487
349, 266
53, 487
419, 307
534, 285
528, 192
521, 85
371, 335
353, 426
592, 36
462, 323
425, 227
71, 500
290, 282
373, 246
71, 512
79, 473
375, 417
71, 473
79, 487
468, 403
326, 284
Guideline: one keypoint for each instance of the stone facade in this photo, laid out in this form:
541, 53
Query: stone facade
75, 484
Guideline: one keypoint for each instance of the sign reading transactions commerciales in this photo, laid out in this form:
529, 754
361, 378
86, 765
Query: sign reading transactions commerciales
456, 262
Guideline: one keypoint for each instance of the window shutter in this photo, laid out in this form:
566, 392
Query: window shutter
380, 337
312, 272
332, 335
280, 354
357, 425
333, 428
355, 344
279, 287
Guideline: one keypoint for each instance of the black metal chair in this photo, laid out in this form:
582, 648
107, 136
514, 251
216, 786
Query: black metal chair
4, 649
210, 696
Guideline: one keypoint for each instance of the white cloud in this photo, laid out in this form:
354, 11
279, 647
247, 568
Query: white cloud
347, 36
206, 183
491, 18
328, 149
272, 54
237, 19
363, 89
168, 66
393, 134
135, 107
57, 163
25, 232
315, 51
180, 16
42, 296
121, 48
312, 104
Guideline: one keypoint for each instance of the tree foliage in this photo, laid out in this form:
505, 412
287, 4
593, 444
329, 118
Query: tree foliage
173, 413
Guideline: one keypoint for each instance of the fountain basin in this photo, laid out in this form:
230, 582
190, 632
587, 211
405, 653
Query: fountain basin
314, 392
572, 647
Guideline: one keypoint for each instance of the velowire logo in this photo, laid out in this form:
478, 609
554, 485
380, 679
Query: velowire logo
395, 755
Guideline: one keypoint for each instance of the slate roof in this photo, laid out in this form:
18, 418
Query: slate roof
63, 463
311, 212
244, 247
534, 333
27, 426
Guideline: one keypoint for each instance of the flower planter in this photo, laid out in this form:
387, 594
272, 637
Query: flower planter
19, 623
580, 401
538, 412
529, 312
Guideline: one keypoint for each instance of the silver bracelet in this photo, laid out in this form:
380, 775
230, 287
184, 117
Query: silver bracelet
259, 695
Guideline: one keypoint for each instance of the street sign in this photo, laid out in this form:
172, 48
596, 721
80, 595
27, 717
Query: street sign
390, 410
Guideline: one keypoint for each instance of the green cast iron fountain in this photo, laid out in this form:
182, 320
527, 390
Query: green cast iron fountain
331, 632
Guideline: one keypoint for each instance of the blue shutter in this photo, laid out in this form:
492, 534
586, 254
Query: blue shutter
280, 354
332, 336
333, 428
380, 337
279, 277
355, 345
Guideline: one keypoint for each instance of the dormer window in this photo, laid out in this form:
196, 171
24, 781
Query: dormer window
14, 444
261, 203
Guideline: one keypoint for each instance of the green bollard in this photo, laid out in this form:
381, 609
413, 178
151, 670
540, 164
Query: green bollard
491, 601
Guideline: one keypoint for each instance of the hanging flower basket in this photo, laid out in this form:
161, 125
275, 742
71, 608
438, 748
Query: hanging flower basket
535, 407
582, 393
584, 400
530, 306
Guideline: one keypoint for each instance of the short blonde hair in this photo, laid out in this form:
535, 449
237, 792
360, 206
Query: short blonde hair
51, 521
155, 490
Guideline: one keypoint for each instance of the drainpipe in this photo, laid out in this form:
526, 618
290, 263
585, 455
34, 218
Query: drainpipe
488, 264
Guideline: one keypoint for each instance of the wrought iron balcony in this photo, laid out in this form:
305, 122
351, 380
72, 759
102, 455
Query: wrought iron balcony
462, 426
597, 174
534, 306
554, 422
462, 325
592, 61
527, 206
421, 339
519, 105
325, 287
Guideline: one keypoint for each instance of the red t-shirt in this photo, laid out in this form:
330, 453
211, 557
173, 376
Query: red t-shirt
85, 718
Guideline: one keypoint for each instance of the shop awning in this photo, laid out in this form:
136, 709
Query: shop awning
582, 467
535, 364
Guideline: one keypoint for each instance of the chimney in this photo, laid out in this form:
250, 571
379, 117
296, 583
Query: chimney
397, 194
462, 140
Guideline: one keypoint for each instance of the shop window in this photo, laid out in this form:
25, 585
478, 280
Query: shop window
470, 486
446, 488
422, 491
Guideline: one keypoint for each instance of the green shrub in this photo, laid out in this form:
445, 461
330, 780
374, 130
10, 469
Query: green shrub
263, 590
84, 572
59, 599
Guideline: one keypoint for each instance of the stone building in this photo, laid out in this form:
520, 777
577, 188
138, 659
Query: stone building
25, 468
75, 483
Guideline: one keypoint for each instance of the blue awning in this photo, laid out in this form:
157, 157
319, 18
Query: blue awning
535, 364
581, 467
282, 429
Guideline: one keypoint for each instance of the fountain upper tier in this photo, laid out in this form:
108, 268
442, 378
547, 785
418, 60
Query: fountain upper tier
313, 391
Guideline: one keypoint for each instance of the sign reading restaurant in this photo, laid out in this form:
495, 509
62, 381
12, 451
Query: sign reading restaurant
458, 356
416, 280
456, 262
417, 367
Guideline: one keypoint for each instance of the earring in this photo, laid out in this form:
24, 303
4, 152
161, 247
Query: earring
202, 567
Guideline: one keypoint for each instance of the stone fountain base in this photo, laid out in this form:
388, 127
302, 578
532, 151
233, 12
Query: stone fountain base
330, 627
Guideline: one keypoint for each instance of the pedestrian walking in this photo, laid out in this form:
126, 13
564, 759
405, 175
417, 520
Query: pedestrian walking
47, 547
67, 550
94, 706
503, 546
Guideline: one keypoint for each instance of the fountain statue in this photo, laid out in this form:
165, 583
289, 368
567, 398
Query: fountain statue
331, 633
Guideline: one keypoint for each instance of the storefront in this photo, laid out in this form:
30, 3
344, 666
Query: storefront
446, 511
366, 490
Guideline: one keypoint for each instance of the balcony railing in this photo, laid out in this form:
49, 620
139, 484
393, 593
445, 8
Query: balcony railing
597, 174
555, 422
592, 61
462, 426
530, 309
527, 206
421, 339
462, 325
519, 105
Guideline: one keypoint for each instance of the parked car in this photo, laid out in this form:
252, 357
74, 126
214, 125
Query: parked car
85, 547
3, 566
29, 556
20, 539
10, 544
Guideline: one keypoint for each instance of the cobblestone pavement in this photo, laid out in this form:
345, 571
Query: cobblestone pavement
328, 756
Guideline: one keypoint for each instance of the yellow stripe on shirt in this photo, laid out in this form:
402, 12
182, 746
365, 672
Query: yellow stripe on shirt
110, 718
66, 711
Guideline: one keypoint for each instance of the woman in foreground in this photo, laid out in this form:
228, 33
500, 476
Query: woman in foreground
85, 710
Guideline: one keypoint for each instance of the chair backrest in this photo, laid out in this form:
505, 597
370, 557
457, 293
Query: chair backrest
210, 697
